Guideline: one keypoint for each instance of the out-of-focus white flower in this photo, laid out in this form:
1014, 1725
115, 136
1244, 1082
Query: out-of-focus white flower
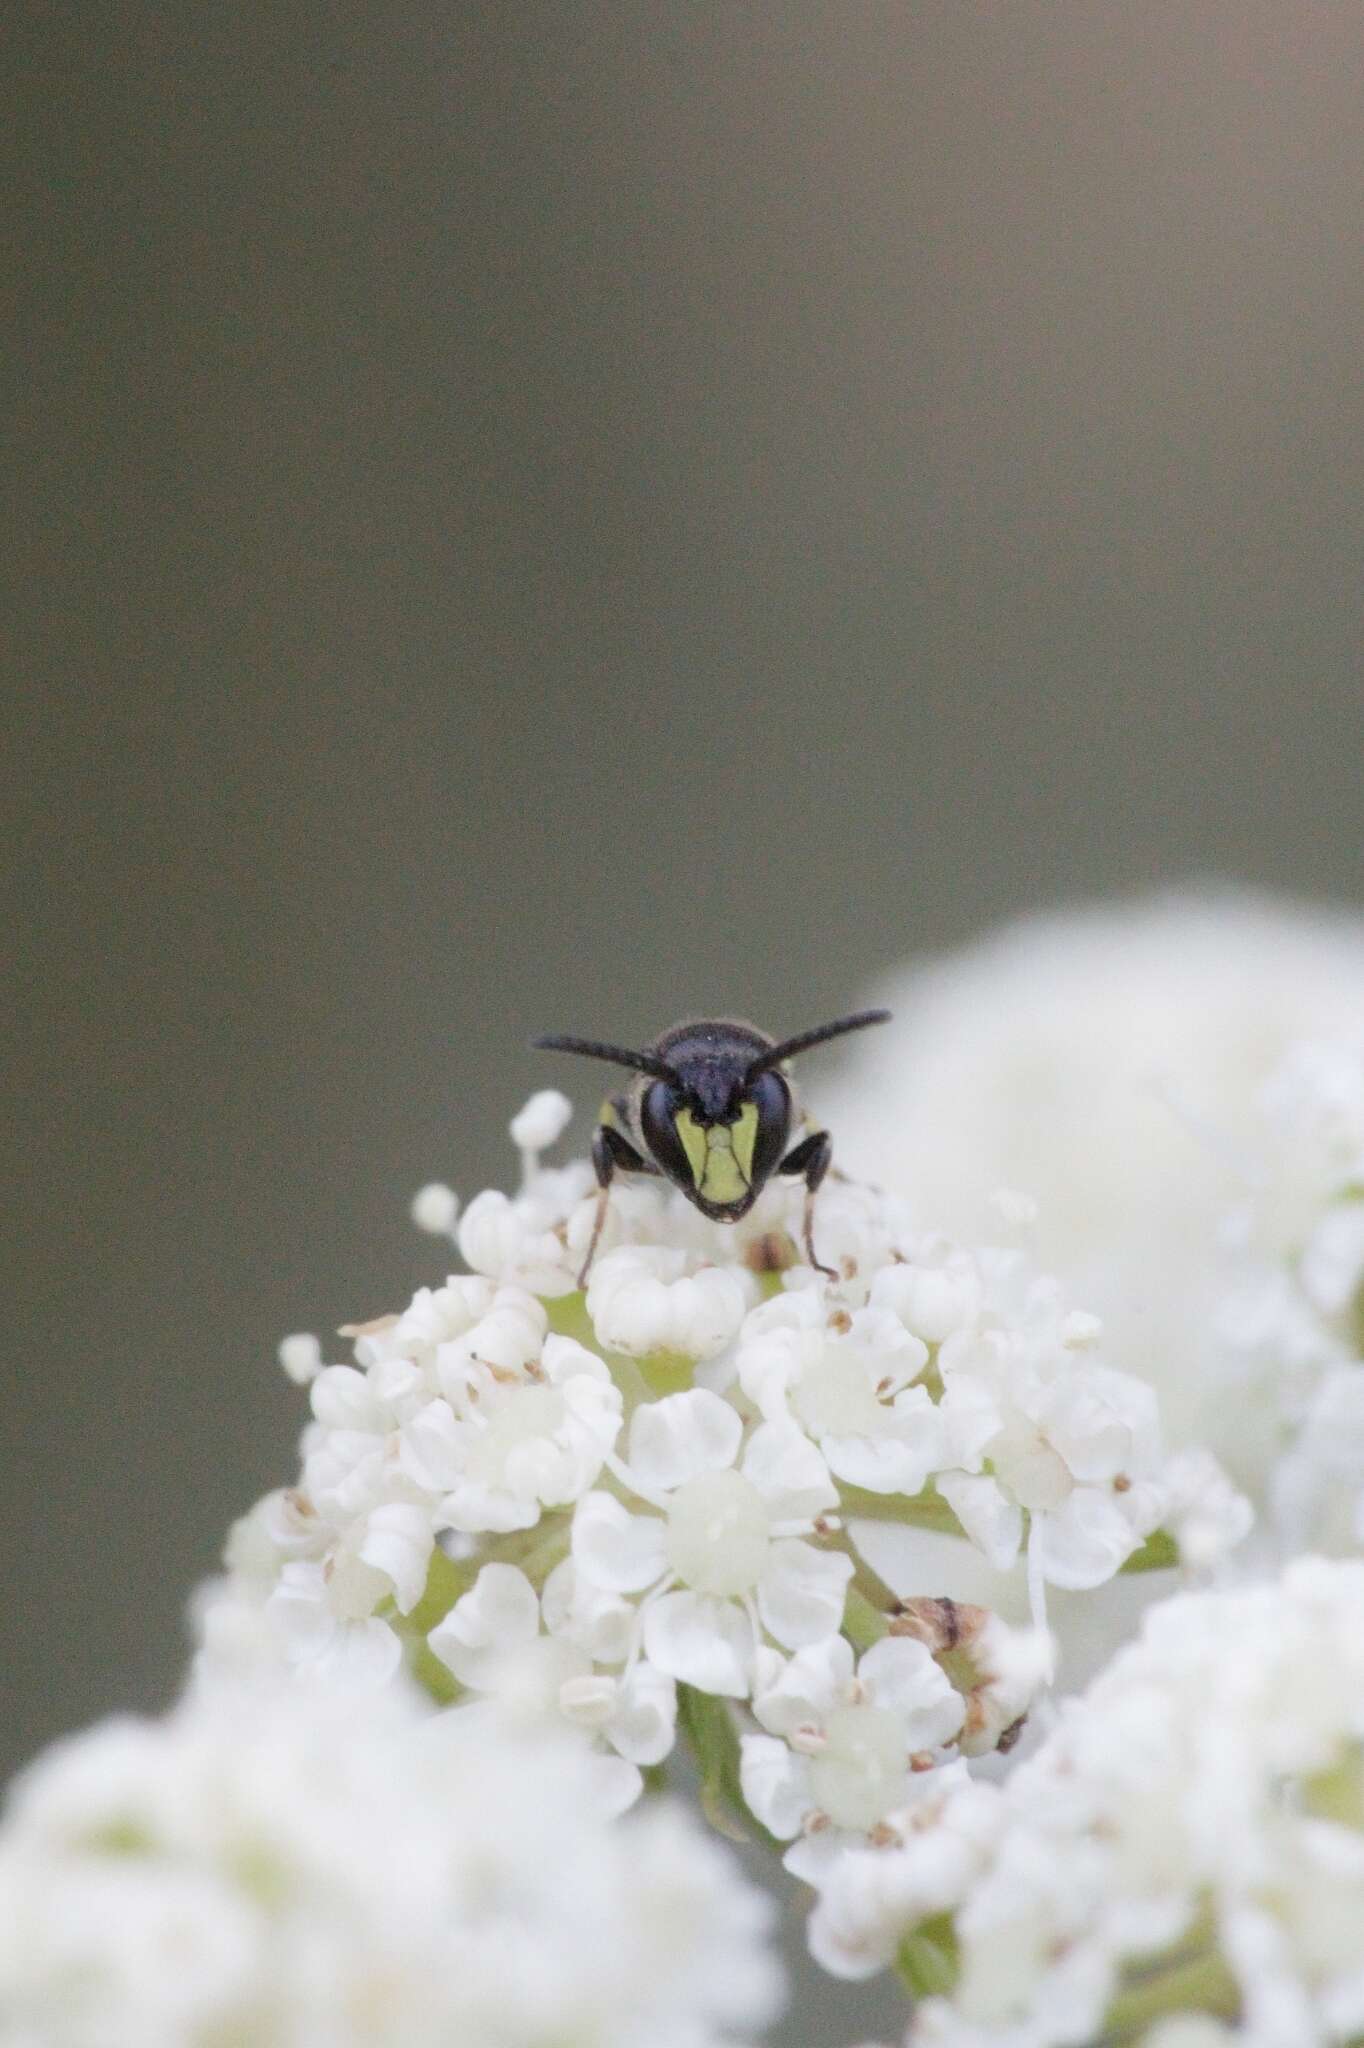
1318, 1484
352, 1871
872, 1896
301, 1357
497, 1641
842, 1742
1108, 1061
324, 1610
1290, 1328
541, 1121
1203, 1510
1043, 1436
281, 1527
435, 1209
723, 1557
1190, 1836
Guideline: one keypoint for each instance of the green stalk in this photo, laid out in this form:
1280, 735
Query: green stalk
864, 1623
1197, 1981
1159, 1553
707, 1724
927, 1962
926, 1510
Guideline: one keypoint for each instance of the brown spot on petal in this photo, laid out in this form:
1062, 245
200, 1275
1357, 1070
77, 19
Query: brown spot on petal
941, 1625
369, 1329
841, 1321
884, 1836
1122, 1484
773, 1252
921, 1760
1011, 1735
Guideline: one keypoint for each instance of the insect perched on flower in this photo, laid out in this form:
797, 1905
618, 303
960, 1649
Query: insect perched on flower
712, 1111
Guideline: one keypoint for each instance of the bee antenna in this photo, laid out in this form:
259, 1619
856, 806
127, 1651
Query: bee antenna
775, 1054
618, 1055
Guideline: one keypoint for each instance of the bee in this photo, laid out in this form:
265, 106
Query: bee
713, 1111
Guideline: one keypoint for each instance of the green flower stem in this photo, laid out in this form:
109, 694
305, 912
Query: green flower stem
1188, 1980
707, 1724
568, 1317
1159, 1553
638, 1379
1337, 1793
446, 1580
539, 1559
863, 1622
927, 1961
534, 1551
870, 1599
926, 1510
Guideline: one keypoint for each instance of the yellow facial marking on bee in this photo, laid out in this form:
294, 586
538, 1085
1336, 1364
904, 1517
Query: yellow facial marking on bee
744, 1137
693, 1144
718, 1154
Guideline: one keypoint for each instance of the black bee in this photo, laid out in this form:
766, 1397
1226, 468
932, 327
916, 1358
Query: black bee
712, 1111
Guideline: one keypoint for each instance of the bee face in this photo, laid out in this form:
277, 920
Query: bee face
712, 1111
720, 1138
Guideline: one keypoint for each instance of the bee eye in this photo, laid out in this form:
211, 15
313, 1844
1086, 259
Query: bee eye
658, 1126
771, 1098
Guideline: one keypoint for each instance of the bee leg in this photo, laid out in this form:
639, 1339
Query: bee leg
610, 1150
811, 1160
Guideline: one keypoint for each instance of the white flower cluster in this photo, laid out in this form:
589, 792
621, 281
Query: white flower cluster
1189, 1839
309, 1866
1108, 1060
577, 1505
1291, 1326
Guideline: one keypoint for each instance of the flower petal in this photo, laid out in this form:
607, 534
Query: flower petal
617, 1783
801, 1593
807, 1687
643, 1727
398, 1542
500, 1612
613, 1549
681, 1437
788, 1472
776, 1785
431, 1449
474, 1508
563, 1359
900, 1674
993, 1524
1087, 1540
703, 1641
883, 1464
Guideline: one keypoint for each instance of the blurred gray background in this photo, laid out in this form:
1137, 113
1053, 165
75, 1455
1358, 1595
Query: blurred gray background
558, 516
